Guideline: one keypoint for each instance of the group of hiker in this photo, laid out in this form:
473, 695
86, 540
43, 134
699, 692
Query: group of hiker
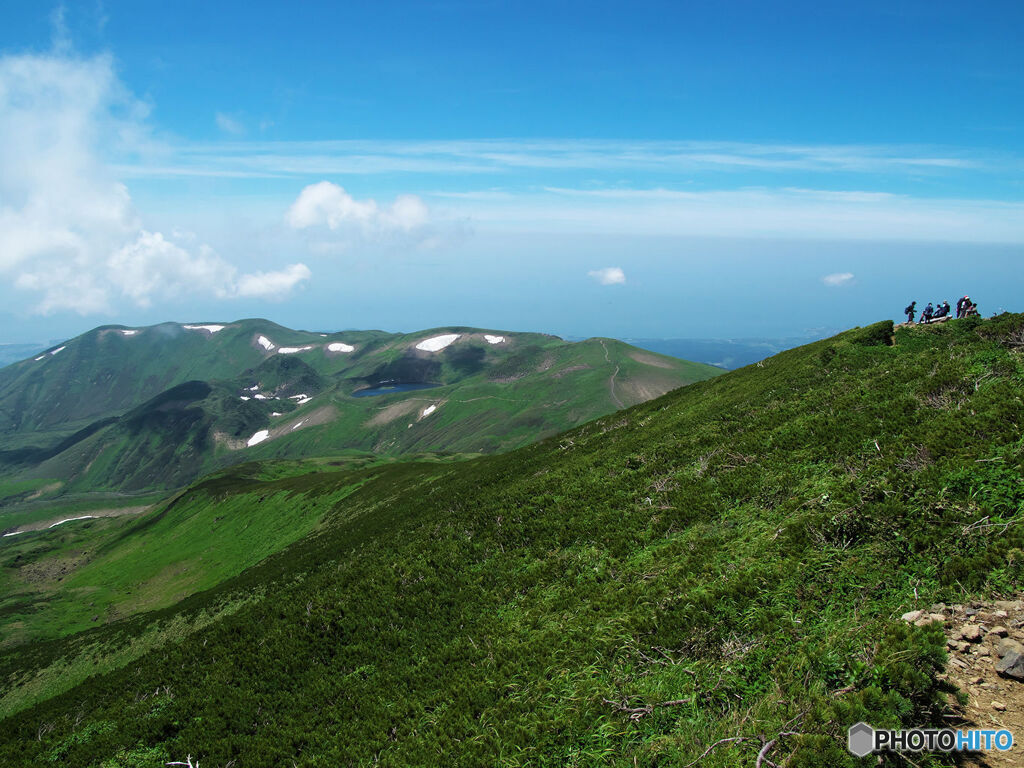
964, 308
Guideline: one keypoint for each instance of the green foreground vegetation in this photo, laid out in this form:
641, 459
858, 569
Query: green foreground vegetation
728, 561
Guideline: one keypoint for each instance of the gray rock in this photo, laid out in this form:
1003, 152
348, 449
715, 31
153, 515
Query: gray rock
1011, 665
911, 616
971, 633
1008, 644
997, 632
938, 608
971, 611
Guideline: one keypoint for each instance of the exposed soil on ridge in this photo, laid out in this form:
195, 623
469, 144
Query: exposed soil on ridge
977, 637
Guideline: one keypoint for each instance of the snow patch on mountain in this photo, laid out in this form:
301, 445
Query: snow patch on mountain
259, 437
437, 343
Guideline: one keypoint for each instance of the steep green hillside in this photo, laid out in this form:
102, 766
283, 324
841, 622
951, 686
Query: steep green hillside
703, 578
255, 398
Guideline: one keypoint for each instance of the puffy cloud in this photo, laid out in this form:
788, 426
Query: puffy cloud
68, 229
608, 276
327, 204
272, 284
838, 279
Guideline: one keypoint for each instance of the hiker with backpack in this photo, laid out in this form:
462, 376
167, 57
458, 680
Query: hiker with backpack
909, 311
961, 306
926, 315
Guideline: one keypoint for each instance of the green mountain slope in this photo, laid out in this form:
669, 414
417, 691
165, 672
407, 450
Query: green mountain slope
726, 562
165, 404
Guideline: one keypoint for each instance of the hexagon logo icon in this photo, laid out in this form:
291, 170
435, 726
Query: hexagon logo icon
860, 739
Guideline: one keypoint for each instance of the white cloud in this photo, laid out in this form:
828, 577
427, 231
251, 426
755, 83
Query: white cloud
511, 155
838, 279
229, 124
752, 212
68, 229
272, 284
609, 276
327, 204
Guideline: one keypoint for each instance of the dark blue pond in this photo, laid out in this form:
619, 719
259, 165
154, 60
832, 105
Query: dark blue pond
390, 389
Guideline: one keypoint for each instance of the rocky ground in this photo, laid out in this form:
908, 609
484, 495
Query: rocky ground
986, 662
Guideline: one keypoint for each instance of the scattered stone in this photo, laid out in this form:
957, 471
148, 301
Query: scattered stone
938, 618
998, 706
938, 608
1008, 605
971, 633
1011, 665
1008, 644
912, 616
971, 611
958, 663
977, 680
963, 647
958, 609
990, 686
999, 631
1000, 614
981, 650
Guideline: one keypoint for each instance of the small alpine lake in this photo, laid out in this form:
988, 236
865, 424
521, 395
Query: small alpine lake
390, 389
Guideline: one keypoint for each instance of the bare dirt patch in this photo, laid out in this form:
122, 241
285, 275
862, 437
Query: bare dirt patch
390, 413
657, 362
981, 638
50, 488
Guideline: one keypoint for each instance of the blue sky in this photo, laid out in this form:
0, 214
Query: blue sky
675, 169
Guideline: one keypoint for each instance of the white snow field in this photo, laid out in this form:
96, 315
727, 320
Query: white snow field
259, 437
127, 333
493, 339
293, 350
211, 328
266, 343
437, 343
338, 346
428, 410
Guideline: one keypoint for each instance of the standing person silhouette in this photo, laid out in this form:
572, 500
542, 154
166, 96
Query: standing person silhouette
909, 311
926, 315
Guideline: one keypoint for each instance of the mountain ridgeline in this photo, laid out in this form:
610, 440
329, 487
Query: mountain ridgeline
714, 578
135, 409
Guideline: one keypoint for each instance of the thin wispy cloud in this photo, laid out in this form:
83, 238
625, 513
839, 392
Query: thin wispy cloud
754, 212
608, 276
229, 124
509, 156
838, 279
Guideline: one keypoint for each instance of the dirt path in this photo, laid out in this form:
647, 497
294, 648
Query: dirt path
611, 381
978, 636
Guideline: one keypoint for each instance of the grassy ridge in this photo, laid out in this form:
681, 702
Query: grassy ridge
724, 561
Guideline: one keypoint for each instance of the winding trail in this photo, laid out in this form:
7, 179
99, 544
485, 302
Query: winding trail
611, 381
